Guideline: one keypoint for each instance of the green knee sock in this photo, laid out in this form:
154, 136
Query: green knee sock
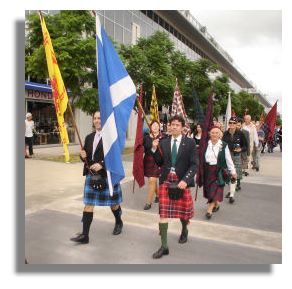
184, 225
163, 234
238, 182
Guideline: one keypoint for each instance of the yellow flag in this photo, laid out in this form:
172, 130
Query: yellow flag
58, 87
154, 106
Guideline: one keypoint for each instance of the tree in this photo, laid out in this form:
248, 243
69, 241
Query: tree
153, 60
73, 38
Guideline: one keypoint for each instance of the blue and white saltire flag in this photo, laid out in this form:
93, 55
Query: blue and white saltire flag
228, 112
117, 95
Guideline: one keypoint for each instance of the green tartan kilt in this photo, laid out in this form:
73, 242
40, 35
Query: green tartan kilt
238, 166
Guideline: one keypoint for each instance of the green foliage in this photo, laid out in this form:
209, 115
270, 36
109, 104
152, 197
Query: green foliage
75, 53
153, 61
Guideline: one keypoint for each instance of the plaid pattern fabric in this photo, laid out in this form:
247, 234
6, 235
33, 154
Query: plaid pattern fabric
93, 197
244, 160
151, 169
198, 109
154, 106
177, 107
211, 190
238, 165
265, 129
182, 208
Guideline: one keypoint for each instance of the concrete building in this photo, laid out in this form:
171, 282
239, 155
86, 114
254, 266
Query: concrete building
188, 35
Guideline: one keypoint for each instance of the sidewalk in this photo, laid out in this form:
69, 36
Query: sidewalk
247, 232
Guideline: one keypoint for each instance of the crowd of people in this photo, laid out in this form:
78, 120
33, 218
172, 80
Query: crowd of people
172, 162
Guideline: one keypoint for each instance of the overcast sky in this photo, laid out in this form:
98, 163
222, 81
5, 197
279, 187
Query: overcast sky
254, 40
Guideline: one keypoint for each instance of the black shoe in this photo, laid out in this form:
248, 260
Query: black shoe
231, 200
227, 195
183, 237
257, 169
118, 228
208, 216
81, 238
156, 200
147, 207
161, 251
216, 209
238, 188
246, 174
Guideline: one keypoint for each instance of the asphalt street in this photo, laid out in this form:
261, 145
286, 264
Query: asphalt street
246, 232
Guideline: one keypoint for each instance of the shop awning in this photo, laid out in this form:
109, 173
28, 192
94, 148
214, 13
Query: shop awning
38, 86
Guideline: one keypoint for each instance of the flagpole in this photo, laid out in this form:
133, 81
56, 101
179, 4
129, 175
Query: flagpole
74, 124
144, 116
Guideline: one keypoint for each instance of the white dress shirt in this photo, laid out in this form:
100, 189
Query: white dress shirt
251, 128
178, 141
212, 154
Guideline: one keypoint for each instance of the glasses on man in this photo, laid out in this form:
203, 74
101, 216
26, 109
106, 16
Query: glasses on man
232, 122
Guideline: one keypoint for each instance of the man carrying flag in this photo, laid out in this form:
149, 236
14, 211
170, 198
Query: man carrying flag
178, 107
103, 154
58, 87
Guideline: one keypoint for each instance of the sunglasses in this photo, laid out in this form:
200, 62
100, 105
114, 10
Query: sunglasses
232, 122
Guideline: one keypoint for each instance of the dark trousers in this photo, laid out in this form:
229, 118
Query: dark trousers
29, 142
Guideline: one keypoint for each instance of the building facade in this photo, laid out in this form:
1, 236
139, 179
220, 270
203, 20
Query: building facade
126, 26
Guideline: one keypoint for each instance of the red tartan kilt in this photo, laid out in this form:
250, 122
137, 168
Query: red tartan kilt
211, 190
151, 169
182, 208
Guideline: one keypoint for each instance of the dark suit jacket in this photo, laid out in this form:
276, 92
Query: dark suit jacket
186, 160
98, 155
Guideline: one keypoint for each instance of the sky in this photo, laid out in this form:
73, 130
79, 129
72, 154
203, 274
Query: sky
253, 38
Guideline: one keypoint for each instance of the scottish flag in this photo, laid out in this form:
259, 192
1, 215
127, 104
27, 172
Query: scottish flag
117, 94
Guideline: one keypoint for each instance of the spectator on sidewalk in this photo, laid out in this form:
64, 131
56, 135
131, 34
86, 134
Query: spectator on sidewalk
29, 131
96, 193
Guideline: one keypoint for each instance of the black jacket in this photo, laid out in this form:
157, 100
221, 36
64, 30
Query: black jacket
186, 160
98, 155
238, 140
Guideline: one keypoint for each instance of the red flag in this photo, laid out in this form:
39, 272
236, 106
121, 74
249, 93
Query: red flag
270, 121
138, 166
208, 123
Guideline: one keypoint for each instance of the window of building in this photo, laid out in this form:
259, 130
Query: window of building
110, 14
150, 14
155, 18
119, 17
135, 33
128, 20
118, 33
109, 27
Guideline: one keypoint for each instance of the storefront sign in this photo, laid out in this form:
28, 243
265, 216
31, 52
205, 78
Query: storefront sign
37, 94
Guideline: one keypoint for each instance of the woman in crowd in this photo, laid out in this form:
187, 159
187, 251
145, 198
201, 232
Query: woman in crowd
198, 134
151, 169
218, 165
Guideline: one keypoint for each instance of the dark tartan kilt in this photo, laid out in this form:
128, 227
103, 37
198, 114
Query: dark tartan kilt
182, 208
151, 169
244, 160
211, 190
238, 165
92, 197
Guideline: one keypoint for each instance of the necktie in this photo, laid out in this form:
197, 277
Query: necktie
173, 153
